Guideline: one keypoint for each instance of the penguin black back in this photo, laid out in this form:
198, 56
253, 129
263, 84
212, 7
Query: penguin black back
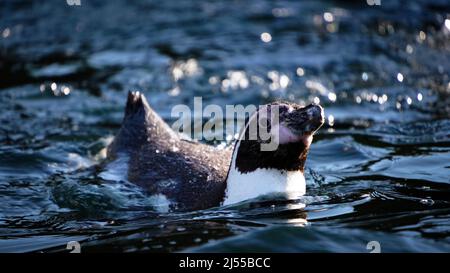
188, 174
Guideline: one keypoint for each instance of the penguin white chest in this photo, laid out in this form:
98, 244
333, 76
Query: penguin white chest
243, 186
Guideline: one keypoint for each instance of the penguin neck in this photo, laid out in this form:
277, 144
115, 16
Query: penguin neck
244, 183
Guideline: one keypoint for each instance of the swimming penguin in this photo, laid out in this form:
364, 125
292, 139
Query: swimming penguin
189, 175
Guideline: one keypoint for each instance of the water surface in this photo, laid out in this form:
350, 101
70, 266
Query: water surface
379, 170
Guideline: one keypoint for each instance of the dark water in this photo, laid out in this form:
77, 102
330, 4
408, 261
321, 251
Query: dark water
378, 171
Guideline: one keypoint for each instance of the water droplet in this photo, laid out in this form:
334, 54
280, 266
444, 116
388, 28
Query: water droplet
174, 91
6, 32
428, 202
284, 81
332, 96
65, 90
375, 97
331, 120
447, 23
422, 36
382, 99
266, 37
419, 96
213, 80
185, 69
400, 77
328, 16
364, 76
408, 100
409, 49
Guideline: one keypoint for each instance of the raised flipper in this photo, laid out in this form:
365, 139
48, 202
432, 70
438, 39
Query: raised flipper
140, 125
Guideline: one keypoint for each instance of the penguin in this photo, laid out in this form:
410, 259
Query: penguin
188, 175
